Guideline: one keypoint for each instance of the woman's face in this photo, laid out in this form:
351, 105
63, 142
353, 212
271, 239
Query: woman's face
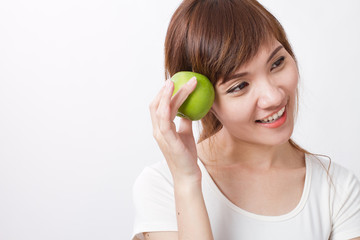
264, 86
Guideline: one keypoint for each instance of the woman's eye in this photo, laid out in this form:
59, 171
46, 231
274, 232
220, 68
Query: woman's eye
277, 63
238, 87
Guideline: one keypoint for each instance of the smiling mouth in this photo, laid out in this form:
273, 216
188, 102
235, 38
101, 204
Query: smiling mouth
273, 118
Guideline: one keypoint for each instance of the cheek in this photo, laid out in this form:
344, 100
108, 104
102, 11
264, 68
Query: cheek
290, 78
291, 85
233, 112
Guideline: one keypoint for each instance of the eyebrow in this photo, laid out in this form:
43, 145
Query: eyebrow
274, 52
239, 75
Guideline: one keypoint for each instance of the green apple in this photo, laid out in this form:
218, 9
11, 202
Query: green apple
199, 102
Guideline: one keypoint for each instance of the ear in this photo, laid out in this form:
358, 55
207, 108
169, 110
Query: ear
213, 111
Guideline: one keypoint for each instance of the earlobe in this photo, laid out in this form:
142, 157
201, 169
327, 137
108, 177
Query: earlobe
213, 112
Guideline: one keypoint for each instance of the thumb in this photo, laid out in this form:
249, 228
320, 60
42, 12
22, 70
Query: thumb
185, 126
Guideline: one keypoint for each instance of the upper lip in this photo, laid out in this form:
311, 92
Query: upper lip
272, 113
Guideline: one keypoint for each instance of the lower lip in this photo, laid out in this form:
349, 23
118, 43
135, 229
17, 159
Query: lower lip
277, 123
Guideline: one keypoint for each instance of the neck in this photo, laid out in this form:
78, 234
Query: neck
229, 152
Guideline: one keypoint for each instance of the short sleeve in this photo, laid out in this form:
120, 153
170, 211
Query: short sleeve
154, 202
346, 215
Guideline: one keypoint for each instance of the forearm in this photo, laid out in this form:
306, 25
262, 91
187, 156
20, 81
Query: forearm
192, 217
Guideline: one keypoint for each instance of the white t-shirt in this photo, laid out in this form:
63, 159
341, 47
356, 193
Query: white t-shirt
325, 211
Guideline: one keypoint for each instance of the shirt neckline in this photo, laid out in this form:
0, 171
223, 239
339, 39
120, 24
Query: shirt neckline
210, 182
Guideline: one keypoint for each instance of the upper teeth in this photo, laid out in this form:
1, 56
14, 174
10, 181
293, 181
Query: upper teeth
275, 116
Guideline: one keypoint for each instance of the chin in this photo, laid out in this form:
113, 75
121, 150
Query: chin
277, 142
276, 139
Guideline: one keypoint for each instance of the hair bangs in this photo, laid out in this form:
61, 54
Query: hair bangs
230, 36
215, 38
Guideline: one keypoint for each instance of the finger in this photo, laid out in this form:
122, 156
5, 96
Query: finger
155, 104
165, 99
179, 98
185, 126
166, 125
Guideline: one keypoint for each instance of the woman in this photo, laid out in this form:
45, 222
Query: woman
245, 178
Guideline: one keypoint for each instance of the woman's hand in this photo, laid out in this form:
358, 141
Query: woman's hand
179, 148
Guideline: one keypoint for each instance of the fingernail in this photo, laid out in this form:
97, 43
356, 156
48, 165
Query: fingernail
168, 84
192, 80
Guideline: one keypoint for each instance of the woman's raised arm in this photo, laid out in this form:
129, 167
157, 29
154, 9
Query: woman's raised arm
179, 150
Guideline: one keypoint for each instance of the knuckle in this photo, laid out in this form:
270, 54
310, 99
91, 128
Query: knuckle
164, 128
186, 90
187, 87
156, 134
152, 105
190, 89
164, 112
158, 114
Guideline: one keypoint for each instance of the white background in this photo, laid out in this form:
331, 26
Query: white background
76, 79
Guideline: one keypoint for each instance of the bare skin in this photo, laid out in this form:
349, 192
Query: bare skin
270, 191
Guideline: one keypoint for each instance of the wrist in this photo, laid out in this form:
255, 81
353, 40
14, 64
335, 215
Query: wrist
187, 181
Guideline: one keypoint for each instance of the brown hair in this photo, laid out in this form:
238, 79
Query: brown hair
214, 38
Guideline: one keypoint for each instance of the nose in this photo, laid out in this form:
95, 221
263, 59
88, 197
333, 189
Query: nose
271, 95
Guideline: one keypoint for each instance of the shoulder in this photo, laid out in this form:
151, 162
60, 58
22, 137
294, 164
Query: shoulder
323, 166
344, 196
339, 183
153, 179
153, 200
155, 171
